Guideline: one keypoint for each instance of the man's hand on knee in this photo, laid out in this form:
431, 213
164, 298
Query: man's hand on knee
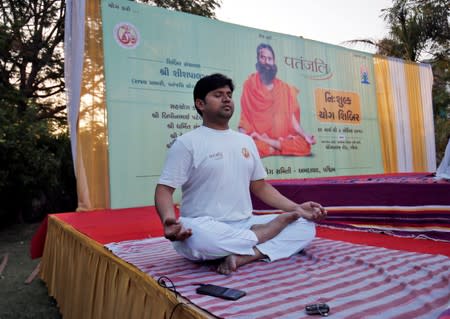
174, 230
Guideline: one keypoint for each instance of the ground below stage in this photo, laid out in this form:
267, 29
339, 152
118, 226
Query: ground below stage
17, 299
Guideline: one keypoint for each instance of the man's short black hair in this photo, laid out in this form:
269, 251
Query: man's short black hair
264, 46
210, 83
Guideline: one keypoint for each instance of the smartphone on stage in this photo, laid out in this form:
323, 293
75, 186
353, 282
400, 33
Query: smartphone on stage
221, 292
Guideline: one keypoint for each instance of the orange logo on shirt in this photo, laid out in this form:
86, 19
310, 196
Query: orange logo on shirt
245, 152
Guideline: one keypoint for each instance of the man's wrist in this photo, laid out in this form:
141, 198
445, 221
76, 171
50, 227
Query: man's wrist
298, 209
168, 220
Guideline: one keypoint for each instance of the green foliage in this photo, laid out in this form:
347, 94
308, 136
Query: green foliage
421, 27
36, 174
31, 59
442, 135
199, 7
441, 94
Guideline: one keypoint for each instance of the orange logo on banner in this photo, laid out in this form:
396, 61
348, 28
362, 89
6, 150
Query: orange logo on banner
337, 106
126, 34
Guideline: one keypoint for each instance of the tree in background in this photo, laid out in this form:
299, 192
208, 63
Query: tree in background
421, 27
34, 147
36, 170
199, 7
31, 59
419, 31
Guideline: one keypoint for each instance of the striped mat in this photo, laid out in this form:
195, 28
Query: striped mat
430, 222
356, 281
426, 221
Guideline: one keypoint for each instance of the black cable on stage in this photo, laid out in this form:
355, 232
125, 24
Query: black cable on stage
162, 281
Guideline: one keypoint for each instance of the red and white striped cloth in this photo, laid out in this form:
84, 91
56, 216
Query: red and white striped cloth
426, 221
356, 281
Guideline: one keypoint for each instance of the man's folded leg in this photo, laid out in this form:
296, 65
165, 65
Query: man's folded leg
291, 240
213, 239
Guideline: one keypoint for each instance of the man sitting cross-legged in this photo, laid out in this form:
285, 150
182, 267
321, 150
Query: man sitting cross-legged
217, 168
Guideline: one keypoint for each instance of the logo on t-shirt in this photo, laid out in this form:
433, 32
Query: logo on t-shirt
245, 152
216, 156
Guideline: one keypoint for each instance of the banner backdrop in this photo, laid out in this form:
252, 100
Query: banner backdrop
153, 58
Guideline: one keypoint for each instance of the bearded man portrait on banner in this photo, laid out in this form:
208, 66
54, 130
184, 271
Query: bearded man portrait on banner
270, 112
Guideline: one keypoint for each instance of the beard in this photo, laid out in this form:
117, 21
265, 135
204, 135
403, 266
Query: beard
226, 114
266, 72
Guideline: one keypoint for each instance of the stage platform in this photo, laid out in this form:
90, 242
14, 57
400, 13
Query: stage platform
106, 264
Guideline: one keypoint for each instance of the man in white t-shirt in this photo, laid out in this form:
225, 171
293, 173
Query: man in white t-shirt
217, 168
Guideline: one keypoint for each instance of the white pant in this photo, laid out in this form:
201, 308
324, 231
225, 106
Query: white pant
212, 239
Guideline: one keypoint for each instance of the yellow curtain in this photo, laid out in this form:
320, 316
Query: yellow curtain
92, 148
386, 114
416, 117
89, 282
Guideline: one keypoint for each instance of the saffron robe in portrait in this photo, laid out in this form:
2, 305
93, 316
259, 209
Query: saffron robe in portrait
270, 112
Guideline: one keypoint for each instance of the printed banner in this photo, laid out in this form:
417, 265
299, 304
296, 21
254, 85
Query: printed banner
310, 107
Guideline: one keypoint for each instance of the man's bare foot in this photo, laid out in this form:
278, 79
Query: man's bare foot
228, 266
233, 262
265, 232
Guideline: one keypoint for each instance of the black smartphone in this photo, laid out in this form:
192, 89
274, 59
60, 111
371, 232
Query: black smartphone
221, 292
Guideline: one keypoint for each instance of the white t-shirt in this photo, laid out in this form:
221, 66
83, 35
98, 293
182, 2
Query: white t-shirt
214, 169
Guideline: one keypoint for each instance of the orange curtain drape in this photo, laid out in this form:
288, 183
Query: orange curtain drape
92, 147
403, 92
386, 114
416, 118
89, 282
